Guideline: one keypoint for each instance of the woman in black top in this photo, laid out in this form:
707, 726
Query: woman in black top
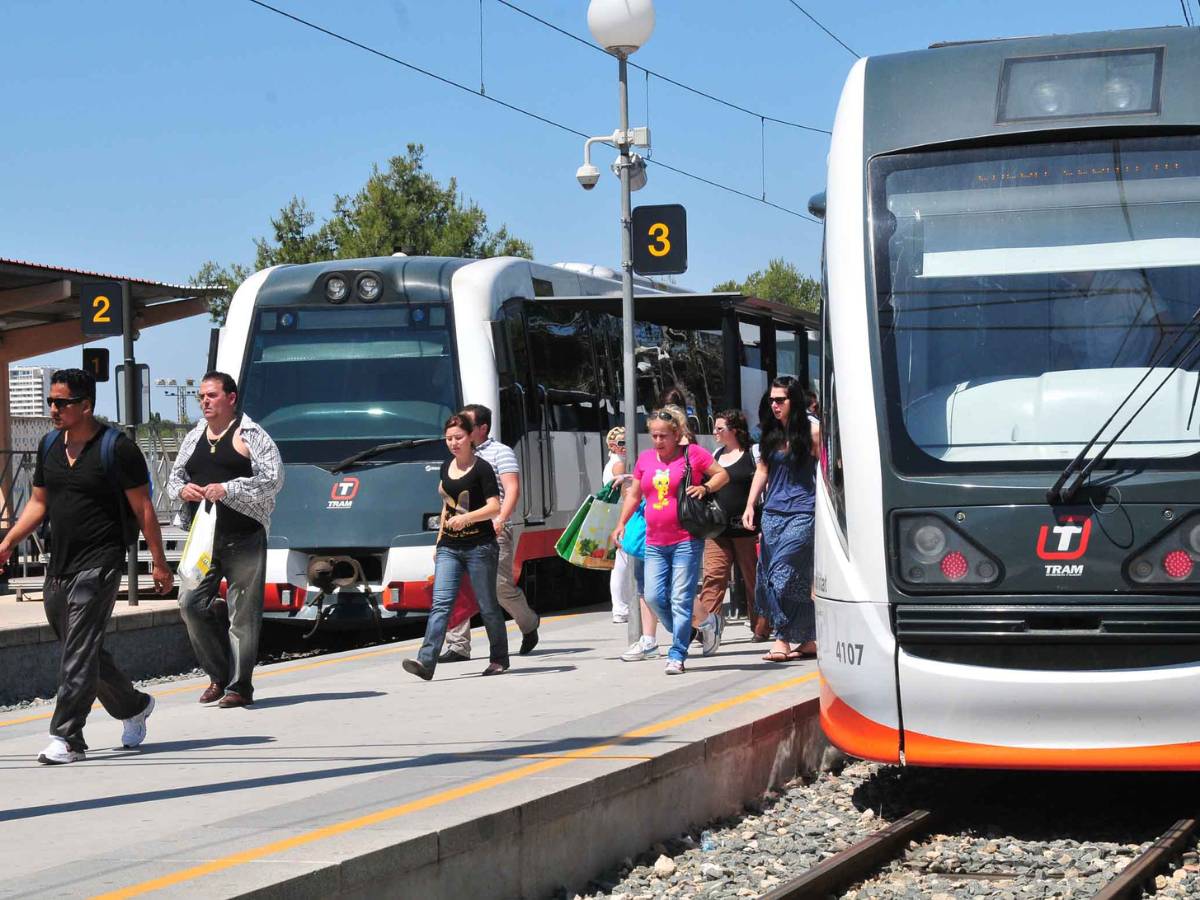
466, 542
736, 544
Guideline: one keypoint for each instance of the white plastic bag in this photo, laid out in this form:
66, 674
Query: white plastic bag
197, 551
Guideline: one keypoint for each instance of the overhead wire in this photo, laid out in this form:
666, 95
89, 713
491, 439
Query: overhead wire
1187, 18
515, 108
651, 72
824, 29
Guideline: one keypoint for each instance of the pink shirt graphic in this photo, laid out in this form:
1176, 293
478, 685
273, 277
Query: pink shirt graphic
660, 485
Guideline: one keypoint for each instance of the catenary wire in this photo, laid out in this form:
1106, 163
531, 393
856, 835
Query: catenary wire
824, 29
1187, 18
661, 77
514, 108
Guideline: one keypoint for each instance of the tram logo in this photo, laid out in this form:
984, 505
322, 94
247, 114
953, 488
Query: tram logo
343, 493
1070, 540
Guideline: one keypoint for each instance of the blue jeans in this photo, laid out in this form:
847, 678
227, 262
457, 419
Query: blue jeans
480, 565
672, 572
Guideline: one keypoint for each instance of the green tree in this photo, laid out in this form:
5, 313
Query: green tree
780, 281
401, 207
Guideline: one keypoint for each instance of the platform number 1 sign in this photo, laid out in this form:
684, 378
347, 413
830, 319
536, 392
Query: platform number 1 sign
660, 240
100, 308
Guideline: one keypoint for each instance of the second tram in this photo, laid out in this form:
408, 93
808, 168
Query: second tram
352, 366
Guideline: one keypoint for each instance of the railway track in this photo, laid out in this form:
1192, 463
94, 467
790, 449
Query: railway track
869, 857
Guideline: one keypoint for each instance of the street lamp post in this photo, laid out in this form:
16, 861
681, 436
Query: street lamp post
621, 27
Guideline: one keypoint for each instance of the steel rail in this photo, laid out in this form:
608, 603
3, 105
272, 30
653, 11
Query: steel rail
1151, 861
853, 863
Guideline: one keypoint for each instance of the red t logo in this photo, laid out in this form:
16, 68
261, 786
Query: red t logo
344, 489
1067, 532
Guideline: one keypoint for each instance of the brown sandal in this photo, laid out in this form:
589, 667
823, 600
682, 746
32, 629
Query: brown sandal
775, 656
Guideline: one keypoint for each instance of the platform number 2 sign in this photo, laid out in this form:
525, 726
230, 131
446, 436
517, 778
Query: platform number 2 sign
100, 307
660, 240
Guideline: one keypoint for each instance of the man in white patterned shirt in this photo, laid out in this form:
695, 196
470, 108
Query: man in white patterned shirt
512, 598
227, 459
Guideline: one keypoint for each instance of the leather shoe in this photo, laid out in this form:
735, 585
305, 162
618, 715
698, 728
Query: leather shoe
232, 699
212, 693
496, 668
528, 642
453, 656
414, 667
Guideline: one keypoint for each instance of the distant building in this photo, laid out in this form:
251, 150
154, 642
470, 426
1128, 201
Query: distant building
28, 387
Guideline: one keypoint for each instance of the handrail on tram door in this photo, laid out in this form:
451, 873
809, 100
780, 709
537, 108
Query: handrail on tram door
548, 491
526, 508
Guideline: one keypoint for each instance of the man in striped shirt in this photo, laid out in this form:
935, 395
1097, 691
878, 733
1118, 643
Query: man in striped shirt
512, 598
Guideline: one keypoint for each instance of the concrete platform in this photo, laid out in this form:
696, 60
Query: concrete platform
351, 778
149, 639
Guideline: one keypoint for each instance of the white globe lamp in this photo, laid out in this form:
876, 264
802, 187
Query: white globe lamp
621, 26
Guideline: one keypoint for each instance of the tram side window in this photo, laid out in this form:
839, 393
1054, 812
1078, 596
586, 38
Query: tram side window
564, 368
831, 435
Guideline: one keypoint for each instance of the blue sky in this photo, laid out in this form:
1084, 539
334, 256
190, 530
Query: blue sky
145, 137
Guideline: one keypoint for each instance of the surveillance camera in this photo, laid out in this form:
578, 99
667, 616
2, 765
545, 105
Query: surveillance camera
587, 175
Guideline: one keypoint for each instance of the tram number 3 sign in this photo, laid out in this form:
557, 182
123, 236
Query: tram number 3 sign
660, 240
100, 307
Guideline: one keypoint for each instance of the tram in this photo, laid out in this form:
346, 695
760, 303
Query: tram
1008, 517
354, 365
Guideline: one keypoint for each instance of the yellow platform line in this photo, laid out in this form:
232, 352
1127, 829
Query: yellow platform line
440, 798
270, 672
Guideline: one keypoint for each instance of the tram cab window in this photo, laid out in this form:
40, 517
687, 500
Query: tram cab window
564, 368
1023, 291
831, 434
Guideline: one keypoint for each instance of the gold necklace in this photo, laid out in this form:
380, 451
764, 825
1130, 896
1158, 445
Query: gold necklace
212, 442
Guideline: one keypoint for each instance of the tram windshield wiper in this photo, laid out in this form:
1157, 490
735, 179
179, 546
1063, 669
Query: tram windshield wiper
378, 449
1066, 486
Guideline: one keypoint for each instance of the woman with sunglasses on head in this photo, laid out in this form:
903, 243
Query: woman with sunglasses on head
787, 471
466, 542
736, 546
672, 555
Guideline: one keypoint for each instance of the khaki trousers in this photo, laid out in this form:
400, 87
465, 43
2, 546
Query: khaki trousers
512, 599
720, 555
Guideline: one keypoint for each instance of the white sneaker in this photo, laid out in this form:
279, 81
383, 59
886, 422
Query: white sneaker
133, 731
58, 753
640, 650
620, 618
710, 636
674, 667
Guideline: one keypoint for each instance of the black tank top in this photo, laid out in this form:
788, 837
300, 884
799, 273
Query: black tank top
732, 498
217, 464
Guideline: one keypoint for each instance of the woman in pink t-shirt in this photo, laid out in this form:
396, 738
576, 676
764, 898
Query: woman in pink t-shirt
672, 555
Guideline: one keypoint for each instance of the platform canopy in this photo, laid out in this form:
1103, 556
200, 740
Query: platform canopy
40, 308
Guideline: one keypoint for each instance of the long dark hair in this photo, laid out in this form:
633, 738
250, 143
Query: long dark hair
796, 432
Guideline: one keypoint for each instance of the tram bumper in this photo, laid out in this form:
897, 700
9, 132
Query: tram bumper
986, 717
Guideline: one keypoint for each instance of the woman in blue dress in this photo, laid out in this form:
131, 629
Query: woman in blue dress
787, 473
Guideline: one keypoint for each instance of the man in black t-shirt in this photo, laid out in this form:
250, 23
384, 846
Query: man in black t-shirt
92, 507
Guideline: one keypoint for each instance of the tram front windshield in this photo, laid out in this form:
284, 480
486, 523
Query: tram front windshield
1023, 292
327, 382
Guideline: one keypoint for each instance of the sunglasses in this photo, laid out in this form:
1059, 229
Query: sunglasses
620, 443
717, 429
665, 416
63, 402
776, 401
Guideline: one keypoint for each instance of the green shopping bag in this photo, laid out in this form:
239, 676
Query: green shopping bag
565, 545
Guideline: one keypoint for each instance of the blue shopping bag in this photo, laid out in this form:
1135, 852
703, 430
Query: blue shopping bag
634, 540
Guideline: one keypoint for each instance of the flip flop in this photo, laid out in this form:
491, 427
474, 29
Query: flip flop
793, 655
775, 656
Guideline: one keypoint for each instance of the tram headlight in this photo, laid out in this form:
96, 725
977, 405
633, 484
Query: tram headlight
1194, 536
929, 541
936, 554
1049, 97
337, 289
1120, 94
368, 287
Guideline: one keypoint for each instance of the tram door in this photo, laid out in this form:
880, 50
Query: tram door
521, 426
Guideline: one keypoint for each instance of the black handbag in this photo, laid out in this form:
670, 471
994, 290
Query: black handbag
701, 518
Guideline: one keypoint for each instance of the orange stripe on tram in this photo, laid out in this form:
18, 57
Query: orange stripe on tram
858, 735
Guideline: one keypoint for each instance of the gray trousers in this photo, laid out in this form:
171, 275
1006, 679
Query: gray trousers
512, 599
226, 643
78, 607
